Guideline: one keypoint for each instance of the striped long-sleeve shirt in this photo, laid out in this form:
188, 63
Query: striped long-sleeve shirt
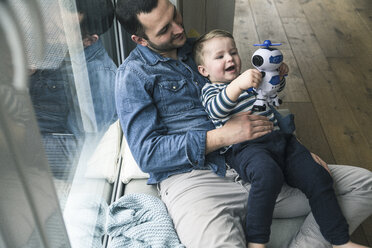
220, 108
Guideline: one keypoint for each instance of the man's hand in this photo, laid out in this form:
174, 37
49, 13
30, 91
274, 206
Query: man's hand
320, 161
241, 127
245, 126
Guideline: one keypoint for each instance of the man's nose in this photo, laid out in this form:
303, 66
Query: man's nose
177, 28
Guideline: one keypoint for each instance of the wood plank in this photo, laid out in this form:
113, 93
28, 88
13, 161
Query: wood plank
366, 16
245, 32
353, 23
333, 40
289, 8
363, 4
347, 142
338, 28
295, 90
367, 228
309, 130
269, 26
364, 63
351, 82
359, 237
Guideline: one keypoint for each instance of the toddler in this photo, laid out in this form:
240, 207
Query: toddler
268, 161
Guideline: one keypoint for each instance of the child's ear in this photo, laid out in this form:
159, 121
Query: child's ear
203, 71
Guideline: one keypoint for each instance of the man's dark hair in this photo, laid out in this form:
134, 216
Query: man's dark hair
127, 11
98, 16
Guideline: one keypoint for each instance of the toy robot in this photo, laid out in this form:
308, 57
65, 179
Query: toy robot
267, 60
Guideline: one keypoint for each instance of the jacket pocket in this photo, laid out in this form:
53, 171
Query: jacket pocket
175, 97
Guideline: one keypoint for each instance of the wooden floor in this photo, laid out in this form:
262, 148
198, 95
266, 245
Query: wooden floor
328, 47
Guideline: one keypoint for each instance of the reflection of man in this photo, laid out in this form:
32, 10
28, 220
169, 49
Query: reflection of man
53, 91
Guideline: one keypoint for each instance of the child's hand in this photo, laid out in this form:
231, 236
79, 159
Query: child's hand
250, 78
283, 70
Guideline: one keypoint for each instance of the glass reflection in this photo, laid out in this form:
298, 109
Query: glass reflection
72, 93
54, 96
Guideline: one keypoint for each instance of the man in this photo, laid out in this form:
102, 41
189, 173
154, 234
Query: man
172, 139
54, 96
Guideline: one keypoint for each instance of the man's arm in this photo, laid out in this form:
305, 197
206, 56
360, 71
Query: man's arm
239, 128
102, 85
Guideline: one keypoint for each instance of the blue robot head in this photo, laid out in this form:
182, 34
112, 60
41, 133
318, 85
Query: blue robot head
267, 58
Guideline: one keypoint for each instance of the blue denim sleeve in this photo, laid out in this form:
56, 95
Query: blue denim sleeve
195, 147
153, 147
102, 83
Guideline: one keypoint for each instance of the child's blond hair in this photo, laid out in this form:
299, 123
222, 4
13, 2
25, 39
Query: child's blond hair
198, 46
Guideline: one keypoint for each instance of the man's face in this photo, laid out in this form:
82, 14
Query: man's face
163, 27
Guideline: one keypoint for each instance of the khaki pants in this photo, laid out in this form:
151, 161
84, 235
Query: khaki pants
209, 211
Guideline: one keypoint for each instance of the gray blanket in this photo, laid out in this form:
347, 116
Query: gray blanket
140, 220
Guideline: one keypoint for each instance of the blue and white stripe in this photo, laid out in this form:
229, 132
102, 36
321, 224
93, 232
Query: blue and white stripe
220, 108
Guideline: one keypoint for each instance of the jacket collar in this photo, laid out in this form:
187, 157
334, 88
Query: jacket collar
89, 52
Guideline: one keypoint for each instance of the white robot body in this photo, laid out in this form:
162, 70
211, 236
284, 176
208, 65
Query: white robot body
267, 92
267, 60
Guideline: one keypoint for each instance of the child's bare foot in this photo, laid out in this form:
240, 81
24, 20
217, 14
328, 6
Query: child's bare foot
349, 245
255, 245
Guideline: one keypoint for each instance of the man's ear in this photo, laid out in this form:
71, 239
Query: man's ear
90, 40
203, 71
139, 40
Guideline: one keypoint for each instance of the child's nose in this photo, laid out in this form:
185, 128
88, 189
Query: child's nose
229, 57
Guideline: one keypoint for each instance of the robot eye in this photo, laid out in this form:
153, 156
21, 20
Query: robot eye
257, 60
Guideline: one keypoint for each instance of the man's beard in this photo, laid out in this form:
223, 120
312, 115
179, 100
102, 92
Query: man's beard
164, 48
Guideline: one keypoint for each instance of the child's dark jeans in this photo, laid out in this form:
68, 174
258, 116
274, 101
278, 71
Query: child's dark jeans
271, 160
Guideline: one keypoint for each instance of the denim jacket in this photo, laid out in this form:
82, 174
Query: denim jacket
163, 120
53, 94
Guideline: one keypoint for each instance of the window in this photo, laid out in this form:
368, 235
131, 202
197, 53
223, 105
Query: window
56, 124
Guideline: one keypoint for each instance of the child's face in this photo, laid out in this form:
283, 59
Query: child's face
221, 60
